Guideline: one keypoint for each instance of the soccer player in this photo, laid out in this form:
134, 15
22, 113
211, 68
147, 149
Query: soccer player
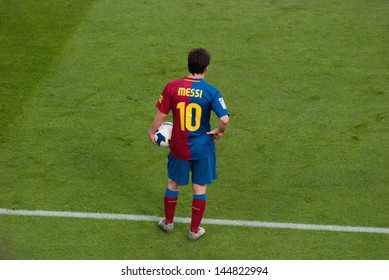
192, 147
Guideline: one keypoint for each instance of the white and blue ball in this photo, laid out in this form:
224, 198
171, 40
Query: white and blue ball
164, 134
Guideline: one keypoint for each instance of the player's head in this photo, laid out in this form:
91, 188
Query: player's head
198, 60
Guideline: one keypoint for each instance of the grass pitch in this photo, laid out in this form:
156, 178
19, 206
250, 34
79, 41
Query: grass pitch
306, 83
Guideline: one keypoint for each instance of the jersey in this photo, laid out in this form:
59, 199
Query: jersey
191, 101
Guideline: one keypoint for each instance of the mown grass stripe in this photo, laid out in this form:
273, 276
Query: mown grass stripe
109, 216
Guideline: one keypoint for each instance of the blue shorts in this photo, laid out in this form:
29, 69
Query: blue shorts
203, 170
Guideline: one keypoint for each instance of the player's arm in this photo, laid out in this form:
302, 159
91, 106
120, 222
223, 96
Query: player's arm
158, 120
222, 126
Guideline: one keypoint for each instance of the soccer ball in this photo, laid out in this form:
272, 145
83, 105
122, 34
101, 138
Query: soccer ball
164, 134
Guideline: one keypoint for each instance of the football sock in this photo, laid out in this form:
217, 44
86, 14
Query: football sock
170, 202
198, 208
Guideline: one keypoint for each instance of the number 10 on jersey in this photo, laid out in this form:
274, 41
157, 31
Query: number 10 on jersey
190, 116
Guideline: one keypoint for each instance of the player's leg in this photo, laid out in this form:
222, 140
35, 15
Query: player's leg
198, 206
170, 200
176, 177
203, 173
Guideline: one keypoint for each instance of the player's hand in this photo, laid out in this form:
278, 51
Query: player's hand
152, 137
216, 135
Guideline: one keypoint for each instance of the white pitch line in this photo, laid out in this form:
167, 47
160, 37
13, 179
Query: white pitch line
109, 216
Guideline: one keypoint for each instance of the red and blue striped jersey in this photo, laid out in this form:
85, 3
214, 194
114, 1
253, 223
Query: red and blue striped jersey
191, 102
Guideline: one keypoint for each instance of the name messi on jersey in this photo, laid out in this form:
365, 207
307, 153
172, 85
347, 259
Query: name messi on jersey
191, 92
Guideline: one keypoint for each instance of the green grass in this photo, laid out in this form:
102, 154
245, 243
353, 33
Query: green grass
115, 240
306, 83
32, 35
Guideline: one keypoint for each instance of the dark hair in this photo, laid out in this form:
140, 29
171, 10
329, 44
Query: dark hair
198, 60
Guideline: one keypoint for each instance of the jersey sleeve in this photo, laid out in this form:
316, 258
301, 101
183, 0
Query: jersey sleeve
163, 103
218, 105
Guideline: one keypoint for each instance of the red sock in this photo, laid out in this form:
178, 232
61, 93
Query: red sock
170, 202
198, 208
